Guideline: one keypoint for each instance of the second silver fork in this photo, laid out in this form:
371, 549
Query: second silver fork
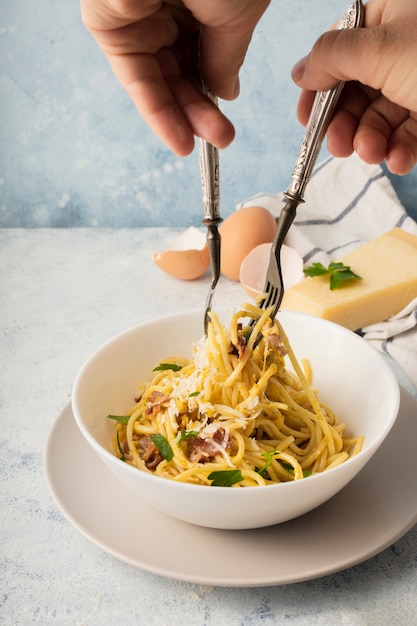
320, 116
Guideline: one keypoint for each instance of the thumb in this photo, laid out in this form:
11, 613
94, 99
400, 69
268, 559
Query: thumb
365, 55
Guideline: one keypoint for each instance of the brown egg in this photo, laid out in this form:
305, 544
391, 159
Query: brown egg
187, 257
240, 233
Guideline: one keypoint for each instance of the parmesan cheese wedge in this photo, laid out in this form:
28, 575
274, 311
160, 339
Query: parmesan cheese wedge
388, 267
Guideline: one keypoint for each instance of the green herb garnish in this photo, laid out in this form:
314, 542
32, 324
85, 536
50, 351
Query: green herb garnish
338, 273
195, 393
287, 466
122, 454
225, 478
163, 446
167, 366
272, 454
187, 434
122, 419
290, 469
269, 455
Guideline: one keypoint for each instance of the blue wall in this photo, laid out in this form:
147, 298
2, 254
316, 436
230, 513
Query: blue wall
74, 152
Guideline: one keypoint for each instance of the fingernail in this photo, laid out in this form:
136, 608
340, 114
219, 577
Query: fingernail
298, 70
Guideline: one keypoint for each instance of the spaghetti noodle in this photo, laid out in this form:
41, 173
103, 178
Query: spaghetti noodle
233, 415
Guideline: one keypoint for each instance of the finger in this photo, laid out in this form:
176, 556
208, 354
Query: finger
305, 103
353, 102
141, 76
341, 131
203, 116
336, 56
402, 151
401, 159
170, 105
375, 129
376, 57
340, 134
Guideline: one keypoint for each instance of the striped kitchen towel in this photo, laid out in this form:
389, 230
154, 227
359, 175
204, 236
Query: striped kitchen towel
347, 203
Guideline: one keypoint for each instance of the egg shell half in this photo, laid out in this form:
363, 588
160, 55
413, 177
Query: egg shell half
255, 266
187, 257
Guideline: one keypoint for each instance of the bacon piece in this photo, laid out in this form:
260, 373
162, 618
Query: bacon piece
201, 450
241, 346
126, 451
149, 452
155, 401
275, 342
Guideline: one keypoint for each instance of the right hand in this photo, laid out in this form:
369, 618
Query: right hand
377, 113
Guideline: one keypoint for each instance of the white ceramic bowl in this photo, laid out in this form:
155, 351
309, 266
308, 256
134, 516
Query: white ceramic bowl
353, 379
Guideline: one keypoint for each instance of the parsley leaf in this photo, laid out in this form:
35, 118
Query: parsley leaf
225, 478
167, 366
269, 455
290, 469
337, 272
163, 446
316, 269
122, 419
187, 434
122, 454
287, 466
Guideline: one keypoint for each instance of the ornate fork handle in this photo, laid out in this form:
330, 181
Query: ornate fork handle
210, 190
210, 173
320, 116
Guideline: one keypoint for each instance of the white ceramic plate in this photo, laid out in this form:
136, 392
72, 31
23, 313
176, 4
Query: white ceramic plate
372, 512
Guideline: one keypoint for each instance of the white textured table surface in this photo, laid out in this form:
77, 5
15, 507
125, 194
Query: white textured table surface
62, 293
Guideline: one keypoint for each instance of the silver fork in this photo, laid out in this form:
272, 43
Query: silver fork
320, 116
210, 189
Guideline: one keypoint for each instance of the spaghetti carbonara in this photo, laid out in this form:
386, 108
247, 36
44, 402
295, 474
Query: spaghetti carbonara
233, 415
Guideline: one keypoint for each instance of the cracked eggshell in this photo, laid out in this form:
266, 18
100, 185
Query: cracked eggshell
187, 256
240, 233
255, 265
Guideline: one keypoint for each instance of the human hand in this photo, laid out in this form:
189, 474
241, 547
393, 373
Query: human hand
377, 113
149, 46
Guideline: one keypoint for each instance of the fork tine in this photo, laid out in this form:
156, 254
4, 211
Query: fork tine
272, 296
274, 285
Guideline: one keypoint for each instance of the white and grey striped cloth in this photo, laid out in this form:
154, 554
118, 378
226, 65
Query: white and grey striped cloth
347, 203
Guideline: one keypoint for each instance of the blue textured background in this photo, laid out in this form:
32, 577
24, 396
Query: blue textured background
74, 151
